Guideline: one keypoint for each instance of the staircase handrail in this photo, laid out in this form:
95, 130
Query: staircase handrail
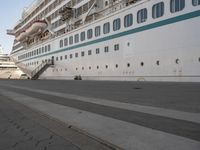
38, 68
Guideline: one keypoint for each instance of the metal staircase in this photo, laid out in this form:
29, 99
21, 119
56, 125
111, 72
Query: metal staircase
34, 75
40, 69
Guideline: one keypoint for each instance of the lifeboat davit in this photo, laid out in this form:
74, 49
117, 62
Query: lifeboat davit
36, 27
21, 36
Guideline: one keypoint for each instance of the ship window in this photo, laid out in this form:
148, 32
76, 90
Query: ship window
76, 38
42, 50
70, 56
79, 11
66, 41
142, 63
97, 51
116, 66
106, 3
46, 49
158, 10
97, 31
76, 54
106, 66
71, 40
61, 57
128, 20
142, 15
116, 24
49, 47
89, 34
116, 47
106, 49
177, 5
106, 28
82, 54
128, 65
39, 51
61, 44
195, 2
85, 8
82, 36
90, 52
65, 56
56, 58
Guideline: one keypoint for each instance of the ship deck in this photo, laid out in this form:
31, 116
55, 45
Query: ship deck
88, 115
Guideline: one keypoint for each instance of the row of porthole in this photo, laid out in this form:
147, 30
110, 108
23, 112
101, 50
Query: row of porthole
177, 61
128, 65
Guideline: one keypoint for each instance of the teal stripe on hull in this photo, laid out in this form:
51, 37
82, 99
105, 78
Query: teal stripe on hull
132, 31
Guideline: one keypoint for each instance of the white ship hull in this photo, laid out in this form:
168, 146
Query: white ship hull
162, 49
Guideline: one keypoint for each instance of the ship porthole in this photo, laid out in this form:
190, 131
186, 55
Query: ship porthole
142, 63
128, 65
158, 62
89, 68
177, 61
116, 66
106, 66
97, 67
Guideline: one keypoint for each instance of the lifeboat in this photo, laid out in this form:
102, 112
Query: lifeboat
21, 36
36, 27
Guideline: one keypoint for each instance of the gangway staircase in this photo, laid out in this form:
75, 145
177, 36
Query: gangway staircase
34, 74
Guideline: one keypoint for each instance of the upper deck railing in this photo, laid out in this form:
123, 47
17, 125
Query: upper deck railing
28, 10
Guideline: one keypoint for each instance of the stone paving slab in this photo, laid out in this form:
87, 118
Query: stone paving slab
24, 129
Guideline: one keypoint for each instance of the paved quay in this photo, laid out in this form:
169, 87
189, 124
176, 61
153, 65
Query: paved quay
47, 114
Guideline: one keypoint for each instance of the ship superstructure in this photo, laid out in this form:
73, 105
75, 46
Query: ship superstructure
149, 40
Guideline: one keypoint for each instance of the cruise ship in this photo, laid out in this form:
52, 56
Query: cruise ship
132, 40
8, 70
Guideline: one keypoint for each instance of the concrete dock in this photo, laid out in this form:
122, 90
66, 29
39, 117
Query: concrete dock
99, 115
